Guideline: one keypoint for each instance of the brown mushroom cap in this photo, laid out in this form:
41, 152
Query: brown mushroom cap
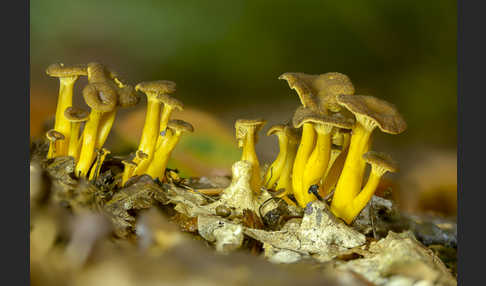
97, 73
381, 160
75, 114
243, 125
60, 70
318, 92
157, 87
276, 128
303, 115
54, 135
170, 101
100, 96
372, 112
180, 125
127, 96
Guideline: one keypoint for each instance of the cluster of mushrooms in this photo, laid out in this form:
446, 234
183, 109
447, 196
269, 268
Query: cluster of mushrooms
323, 154
324, 149
104, 94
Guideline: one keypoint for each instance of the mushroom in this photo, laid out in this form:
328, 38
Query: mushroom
275, 169
76, 116
247, 136
100, 158
380, 164
53, 136
129, 167
157, 166
370, 112
285, 179
307, 144
156, 92
102, 98
318, 92
127, 97
68, 75
317, 162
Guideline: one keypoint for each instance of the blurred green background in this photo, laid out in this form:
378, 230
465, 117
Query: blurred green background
225, 56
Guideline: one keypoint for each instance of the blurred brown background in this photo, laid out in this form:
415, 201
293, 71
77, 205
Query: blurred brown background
225, 57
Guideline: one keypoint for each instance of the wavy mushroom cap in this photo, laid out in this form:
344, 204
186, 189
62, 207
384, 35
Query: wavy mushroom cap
304, 115
170, 101
97, 73
372, 112
76, 114
180, 125
54, 135
381, 160
127, 96
276, 128
242, 127
299, 83
100, 96
157, 87
60, 70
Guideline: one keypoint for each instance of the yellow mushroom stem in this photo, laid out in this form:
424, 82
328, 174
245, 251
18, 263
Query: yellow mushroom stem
351, 179
359, 202
128, 169
318, 160
61, 124
333, 172
90, 135
150, 130
164, 118
106, 124
74, 141
157, 167
100, 158
143, 161
285, 179
275, 170
306, 146
249, 154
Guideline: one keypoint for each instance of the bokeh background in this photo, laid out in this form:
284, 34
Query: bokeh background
226, 56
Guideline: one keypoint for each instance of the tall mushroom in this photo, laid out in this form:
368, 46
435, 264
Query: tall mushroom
370, 112
247, 136
68, 75
285, 179
380, 164
101, 98
157, 167
76, 116
155, 91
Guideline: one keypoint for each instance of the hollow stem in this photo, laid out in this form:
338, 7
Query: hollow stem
151, 126
73, 149
156, 169
275, 170
249, 154
105, 127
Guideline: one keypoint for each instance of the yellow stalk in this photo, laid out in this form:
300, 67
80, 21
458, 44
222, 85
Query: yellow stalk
156, 169
285, 179
318, 161
151, 127
61, 124
127, 171
331, 177
350, 181
90, 133
306, 146
105, 127
73, 149
249, 154
275, 170
100, 158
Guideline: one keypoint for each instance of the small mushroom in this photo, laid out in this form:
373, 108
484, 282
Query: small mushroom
76, 116
370, 112
129, 167
53, 136
102, 98
285, 180
100, 158
275, 169
142, 160
380, 164
247, 136
68, 75
156, 169
156, 92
